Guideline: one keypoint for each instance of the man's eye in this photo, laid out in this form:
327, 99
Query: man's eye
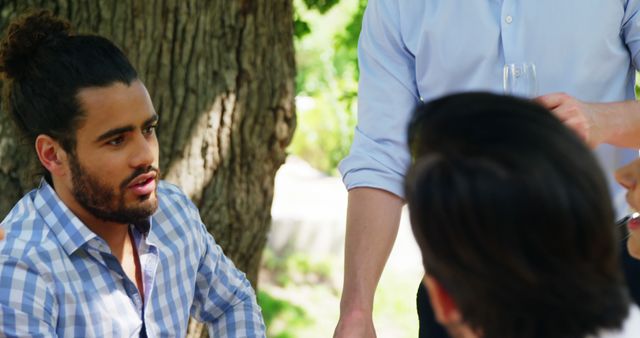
116, 141
149, 130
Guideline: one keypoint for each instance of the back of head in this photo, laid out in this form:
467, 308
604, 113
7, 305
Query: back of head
44, 67
513, 217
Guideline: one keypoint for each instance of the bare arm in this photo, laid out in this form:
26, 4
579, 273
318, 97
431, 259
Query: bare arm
373, 218
619, 122
387, 93
616, 123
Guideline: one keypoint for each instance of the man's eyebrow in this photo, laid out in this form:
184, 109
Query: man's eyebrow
153, 119
116, 131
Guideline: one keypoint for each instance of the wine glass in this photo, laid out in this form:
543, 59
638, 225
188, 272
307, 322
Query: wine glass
520, 80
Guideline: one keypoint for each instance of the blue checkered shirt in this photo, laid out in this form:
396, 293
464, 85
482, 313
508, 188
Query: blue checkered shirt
57, 278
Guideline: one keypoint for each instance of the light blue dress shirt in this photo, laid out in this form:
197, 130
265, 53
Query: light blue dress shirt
412, 50
59, 279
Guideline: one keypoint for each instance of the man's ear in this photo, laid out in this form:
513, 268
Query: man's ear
51, 155
444, 307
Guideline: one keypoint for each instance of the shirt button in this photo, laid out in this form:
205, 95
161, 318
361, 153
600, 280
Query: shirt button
508, 19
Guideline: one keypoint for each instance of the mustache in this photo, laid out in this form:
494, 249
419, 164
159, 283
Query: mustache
125, 183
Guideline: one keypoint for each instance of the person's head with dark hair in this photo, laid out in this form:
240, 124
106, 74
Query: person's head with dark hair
512, 214
79, 101
45, 66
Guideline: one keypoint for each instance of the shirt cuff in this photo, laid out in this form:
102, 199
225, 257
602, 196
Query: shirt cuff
361, 171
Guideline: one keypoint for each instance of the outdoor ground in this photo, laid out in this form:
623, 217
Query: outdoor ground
301, 279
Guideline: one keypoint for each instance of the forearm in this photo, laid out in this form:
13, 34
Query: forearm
373, 218
616, 123
243, 319
619, 123
223, 297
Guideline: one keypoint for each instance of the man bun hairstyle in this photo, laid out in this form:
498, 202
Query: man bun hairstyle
44, 66
25, 37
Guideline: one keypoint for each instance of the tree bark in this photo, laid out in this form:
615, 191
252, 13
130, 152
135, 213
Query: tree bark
221, 76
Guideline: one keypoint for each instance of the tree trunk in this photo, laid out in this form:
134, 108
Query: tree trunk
221, 76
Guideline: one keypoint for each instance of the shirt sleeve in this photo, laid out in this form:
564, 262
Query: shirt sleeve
631, 30
387, 95
27, 305
224, 298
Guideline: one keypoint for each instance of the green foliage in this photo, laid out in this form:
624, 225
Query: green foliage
296, 268
301, 27
321, 6
277, 311
326, 84
346, 44
293, 284
324, 133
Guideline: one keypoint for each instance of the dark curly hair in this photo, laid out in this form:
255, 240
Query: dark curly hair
513, 217
45, 65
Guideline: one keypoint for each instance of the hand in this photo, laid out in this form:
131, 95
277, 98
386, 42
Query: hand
577, 115
1, 234
628, 177
355, 325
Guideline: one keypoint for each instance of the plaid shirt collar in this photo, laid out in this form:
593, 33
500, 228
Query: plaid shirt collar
70, 231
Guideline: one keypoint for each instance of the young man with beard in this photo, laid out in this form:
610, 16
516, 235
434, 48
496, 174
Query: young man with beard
102, 248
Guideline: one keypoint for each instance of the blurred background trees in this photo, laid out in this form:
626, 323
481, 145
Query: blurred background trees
326, 83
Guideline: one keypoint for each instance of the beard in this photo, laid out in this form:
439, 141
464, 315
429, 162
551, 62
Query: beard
108, 203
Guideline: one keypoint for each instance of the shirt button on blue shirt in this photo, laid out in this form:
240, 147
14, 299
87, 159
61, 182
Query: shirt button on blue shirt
508, 19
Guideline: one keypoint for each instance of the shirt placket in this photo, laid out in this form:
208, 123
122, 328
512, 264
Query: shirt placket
508, 22
148, 255
101, 252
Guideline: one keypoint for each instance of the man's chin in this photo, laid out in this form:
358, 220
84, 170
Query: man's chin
633, 245
149, 206
142, 208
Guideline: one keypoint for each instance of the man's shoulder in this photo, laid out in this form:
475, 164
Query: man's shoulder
28, 237
172, 194
177, 218
172, 198
170, 190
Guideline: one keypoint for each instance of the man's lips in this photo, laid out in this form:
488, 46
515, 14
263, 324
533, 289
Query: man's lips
143, 184
633, 222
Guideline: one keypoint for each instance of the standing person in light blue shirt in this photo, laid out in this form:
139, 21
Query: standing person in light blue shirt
103, 247
586, 55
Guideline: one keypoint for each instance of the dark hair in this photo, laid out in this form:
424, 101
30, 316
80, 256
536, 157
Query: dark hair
513, 217
45, 66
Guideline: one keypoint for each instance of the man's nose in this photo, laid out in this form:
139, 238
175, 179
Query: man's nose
144, 153
627, 176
